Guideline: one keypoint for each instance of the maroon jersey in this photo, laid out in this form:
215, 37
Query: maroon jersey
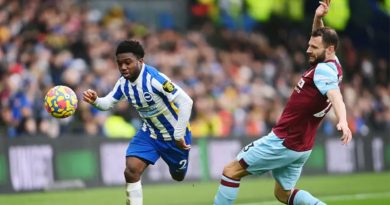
307, 106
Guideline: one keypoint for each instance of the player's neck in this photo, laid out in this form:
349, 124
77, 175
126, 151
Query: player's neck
330, 57
135, 77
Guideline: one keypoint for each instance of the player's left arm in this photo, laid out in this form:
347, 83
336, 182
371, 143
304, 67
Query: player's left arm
326, 80
336, 99
182, 101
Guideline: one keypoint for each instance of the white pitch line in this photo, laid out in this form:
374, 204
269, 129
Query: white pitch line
332, 198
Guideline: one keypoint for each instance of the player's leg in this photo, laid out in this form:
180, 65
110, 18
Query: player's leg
140, 153
230, 183
251, 160
302, 197
281, 194
260, 156
286, 179
177, 163
295, 196
176, 159
179, 173
133, 171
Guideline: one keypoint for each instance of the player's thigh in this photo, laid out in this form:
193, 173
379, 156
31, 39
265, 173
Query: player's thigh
288, 175
264, 154
142, 146
176, 159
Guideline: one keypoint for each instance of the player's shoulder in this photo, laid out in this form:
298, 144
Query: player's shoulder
151, 70
328, 67
160, 77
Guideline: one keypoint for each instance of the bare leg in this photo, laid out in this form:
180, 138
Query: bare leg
134, 169
230, 183
281, 194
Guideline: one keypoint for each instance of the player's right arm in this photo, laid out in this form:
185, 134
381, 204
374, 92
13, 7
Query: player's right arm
90, 96
321, 11
103, 103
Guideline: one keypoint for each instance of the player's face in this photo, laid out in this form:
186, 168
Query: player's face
316, 50
129, 65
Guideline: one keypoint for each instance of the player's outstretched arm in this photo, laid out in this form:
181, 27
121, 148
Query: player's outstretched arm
336, 99
105, 103
321, 11
89, 96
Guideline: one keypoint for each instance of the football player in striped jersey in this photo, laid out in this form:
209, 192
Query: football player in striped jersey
165, 110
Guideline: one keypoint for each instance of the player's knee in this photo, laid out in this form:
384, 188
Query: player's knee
132, 174
178, 175
178, 178
227, 171
231, 170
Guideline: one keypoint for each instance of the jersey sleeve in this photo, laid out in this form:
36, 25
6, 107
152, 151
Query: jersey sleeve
165, 86
116, 92
107, 102
325, 77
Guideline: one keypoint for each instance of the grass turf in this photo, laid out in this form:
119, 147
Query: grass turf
356, 189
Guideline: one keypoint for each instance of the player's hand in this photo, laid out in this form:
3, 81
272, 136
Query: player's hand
181, 143
89, 96
347, 135
323, 8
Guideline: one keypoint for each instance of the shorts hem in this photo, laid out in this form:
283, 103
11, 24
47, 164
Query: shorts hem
141, 158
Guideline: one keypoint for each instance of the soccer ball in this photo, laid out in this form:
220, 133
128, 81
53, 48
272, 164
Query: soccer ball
61, 101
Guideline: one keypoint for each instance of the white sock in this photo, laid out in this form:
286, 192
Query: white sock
134, 193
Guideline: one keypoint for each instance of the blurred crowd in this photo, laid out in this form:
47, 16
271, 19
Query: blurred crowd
239, 81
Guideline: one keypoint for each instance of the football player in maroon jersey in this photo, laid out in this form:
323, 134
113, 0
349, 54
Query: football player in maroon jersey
286, 148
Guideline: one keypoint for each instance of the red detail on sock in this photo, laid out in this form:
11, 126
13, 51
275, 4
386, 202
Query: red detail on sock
243, 163
238, 180
229, 184
292, 196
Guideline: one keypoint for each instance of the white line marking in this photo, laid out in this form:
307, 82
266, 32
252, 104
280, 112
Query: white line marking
332, 198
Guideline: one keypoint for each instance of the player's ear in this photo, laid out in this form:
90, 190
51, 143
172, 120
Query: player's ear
330, 49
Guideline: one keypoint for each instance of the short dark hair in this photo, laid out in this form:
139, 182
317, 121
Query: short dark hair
329, 36
130, 46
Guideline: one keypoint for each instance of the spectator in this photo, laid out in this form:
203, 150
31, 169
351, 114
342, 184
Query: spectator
240, 81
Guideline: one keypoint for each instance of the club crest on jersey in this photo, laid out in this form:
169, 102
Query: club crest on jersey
299, 86
148, 97
168, 87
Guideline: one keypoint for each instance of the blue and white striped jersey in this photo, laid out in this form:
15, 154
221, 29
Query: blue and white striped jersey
152, 94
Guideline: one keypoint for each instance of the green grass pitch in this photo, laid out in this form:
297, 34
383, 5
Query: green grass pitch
356, 189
